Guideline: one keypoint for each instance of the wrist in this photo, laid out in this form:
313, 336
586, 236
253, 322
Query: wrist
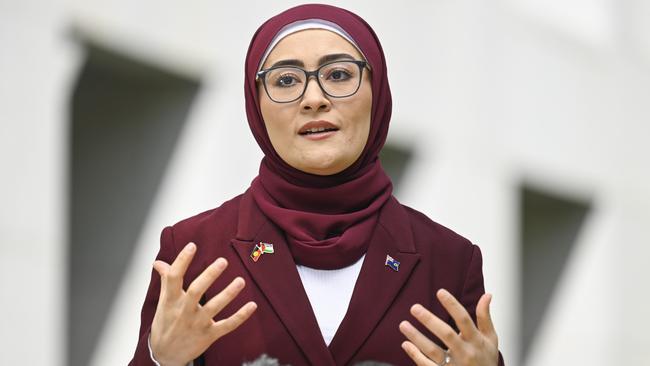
158, 361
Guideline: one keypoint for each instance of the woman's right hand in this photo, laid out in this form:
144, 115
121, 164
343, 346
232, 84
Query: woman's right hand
182, 329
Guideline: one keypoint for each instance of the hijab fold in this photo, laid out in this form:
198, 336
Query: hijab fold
327, 220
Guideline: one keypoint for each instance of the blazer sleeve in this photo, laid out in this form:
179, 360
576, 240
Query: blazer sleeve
473, 287
166, 253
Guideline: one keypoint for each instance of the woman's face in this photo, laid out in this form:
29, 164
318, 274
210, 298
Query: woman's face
292, 126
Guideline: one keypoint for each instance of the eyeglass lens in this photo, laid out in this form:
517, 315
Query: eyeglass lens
338, 79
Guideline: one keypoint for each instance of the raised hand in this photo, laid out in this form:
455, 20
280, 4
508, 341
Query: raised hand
182, 329
471, 347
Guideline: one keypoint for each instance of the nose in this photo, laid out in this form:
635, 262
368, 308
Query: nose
314, 98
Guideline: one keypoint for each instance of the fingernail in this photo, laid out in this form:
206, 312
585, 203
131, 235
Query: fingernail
190, 247
416, 309
443, 293
404, 325
406, 346
221, 263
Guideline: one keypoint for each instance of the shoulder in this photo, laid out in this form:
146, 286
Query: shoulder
424, 226
221, 221
439, 242
452, 258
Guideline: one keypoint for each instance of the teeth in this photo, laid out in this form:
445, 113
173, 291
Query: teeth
316, 129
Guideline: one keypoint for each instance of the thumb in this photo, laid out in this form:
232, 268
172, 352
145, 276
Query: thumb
484, 319
162, 268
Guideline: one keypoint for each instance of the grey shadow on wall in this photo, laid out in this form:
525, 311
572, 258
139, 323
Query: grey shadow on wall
549, 227
396, 159
126, 116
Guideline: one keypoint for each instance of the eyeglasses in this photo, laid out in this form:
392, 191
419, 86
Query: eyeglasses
339, 79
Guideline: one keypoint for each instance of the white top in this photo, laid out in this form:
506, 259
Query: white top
329, 292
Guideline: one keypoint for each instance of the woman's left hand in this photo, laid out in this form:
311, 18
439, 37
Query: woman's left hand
473, 346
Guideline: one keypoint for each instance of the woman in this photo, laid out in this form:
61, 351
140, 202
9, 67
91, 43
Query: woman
327, 265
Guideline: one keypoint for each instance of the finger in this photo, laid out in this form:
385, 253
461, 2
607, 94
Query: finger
223, 298
437, 326
179, 267
414, 353
225, 326
201, 283
484, 319
162, 268
424, 344
458, 313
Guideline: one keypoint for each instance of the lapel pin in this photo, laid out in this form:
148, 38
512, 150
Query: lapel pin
261, 248
392, 263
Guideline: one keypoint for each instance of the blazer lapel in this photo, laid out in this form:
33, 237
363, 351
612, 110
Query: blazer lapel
378, 284
277, 277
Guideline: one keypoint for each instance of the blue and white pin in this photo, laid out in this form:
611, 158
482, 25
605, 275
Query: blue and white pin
392, 263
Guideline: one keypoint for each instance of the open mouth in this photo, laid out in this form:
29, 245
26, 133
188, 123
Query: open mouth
317, 130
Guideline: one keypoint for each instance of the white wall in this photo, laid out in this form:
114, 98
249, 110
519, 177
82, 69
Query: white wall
554, 93
36, 66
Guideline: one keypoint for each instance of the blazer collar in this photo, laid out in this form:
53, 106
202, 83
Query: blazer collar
250, 219
277, 277
378, 284
374, 292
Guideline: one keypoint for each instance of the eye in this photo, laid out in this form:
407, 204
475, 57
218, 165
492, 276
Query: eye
286, 80
338, 75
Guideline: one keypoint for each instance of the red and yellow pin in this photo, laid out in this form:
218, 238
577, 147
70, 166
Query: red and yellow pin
261, 248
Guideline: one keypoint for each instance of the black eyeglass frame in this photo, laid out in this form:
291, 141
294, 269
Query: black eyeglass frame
360, 63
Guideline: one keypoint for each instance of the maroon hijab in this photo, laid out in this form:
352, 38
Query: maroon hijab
328, 220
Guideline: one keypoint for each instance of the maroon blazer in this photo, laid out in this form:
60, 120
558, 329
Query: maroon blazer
284, 326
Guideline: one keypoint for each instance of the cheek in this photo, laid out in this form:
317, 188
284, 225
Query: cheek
362, 118
272, 116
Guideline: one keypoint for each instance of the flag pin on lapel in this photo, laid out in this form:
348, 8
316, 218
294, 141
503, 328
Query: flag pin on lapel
261, 248
392, 263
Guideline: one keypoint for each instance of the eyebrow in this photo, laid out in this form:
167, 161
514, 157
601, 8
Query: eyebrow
322, 60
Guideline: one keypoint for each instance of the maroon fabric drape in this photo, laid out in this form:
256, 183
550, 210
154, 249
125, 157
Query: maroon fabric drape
328, 220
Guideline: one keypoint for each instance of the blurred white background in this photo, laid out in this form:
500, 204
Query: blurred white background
526, 123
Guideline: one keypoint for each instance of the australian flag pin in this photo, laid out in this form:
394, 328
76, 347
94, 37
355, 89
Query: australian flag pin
392, 263
261, 248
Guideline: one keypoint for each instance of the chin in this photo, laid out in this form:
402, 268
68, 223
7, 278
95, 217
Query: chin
323, 167
322, 171
323, 160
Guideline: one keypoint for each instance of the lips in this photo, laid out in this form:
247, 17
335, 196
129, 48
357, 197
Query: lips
317, 127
